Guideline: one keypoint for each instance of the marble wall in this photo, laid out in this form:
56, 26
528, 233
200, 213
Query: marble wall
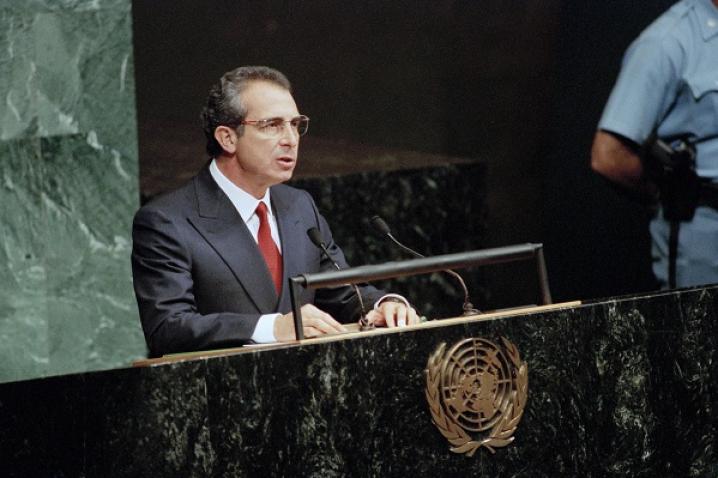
68, 156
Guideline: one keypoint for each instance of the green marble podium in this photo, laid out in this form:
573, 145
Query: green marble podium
622, 387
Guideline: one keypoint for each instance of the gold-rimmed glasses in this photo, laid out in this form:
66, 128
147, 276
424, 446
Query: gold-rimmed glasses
274, 127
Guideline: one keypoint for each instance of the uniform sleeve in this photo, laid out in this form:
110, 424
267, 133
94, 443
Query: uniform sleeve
645, 89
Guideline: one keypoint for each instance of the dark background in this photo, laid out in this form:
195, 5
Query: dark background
518, 85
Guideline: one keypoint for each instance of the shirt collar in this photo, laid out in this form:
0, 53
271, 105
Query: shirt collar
245, 203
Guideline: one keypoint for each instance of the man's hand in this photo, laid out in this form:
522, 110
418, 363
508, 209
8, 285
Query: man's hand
314, 323
392, 314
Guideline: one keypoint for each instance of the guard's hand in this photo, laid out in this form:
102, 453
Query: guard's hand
314, 323
393, 314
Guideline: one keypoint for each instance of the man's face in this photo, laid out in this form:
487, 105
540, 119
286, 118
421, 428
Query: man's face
265, 160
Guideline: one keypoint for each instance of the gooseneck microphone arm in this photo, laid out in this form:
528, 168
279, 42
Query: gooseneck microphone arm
316, 237
383, 228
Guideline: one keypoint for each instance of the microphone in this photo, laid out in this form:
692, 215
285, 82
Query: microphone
316, 237
382, 228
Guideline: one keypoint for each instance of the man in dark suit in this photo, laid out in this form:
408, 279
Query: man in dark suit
210, 259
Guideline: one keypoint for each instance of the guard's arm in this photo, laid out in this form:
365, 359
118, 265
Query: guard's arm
618, 160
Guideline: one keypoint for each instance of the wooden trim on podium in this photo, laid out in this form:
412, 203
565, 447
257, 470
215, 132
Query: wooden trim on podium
353, 333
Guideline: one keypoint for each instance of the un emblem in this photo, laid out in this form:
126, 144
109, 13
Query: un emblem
476, 393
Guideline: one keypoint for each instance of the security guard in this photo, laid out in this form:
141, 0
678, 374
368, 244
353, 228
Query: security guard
668, 89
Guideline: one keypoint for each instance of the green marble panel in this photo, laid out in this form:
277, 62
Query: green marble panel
66, 67
68, 153
23, 275
91, 195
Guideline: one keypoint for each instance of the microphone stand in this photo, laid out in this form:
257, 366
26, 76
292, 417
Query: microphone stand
316, 238
381, 226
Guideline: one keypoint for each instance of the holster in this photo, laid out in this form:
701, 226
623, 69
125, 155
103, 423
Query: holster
672, 166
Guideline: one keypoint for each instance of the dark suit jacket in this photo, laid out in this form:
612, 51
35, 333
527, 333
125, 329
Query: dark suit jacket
200, 279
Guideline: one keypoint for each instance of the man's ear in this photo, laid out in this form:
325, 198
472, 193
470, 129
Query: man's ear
227, 138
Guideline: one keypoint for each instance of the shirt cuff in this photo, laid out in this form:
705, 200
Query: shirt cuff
264, 331
392, 297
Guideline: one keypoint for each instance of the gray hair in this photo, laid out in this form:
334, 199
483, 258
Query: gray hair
224, 102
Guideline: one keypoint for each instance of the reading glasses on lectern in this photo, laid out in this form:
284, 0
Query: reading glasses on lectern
274, 127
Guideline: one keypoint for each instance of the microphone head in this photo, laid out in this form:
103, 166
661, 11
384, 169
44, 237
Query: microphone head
315, 236
379, 225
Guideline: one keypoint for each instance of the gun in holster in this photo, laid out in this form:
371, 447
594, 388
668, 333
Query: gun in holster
673, 168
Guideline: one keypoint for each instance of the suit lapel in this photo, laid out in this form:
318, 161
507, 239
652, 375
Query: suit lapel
223, 228
291, 232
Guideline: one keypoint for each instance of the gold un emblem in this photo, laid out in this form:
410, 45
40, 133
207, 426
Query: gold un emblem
476, 393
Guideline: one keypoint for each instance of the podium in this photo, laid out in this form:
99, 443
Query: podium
621, 387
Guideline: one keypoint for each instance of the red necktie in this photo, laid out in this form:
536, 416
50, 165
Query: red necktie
269, 249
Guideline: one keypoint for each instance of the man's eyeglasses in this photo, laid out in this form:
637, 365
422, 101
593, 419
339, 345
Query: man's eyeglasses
274, 127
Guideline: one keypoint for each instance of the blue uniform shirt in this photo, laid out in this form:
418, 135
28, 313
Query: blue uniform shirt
669, 82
